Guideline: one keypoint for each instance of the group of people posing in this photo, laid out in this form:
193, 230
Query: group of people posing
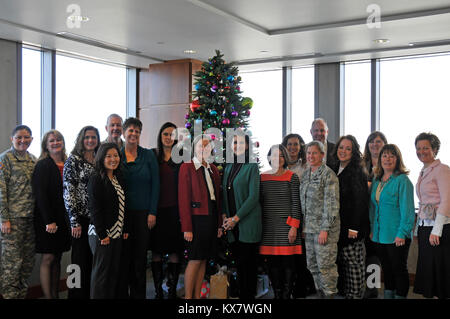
316, 217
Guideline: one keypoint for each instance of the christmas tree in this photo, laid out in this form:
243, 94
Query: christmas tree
217, 101
217, 105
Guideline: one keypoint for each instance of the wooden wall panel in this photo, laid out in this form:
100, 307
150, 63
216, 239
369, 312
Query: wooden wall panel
153, 117
164, 95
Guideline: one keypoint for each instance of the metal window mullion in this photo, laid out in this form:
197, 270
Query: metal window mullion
375, 95
287, 100
19, 49
131, 106
341, 99
48, 116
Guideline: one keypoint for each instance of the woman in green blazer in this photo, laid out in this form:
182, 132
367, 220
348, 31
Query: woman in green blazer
242, 214
392, 219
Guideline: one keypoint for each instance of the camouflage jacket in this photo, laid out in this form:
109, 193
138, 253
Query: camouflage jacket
319, 196
16, 194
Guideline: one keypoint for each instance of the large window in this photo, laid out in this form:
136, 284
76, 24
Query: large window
86, 93
302, 101
31, 96
415, 98
357, 101
265, 88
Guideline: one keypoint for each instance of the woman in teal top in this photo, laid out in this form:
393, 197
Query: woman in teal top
141, 173
392, 219
242, 214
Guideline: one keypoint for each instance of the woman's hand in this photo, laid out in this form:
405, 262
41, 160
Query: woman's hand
105, 241
188, 236
219, 232
434, 240
292, 236
125, 236
228, 223
399, 242
352, 234
76, 232
6, 227
151, 221
323, 237
51, 228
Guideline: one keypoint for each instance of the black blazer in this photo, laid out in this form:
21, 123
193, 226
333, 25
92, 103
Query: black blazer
354, 202
330, 159
48, 193
104, 204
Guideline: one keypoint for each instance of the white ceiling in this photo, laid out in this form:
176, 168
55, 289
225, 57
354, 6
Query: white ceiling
294, 32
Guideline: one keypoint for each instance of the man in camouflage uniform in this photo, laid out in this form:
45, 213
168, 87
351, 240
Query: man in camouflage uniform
319, 197
16, 215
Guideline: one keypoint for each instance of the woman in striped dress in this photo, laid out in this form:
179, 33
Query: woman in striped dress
108, 227
280, 203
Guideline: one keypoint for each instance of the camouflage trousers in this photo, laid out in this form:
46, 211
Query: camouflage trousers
321, 261
17, 258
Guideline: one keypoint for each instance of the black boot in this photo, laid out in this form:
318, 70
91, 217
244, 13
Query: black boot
275, 280
287, 283
173, 272
157, 271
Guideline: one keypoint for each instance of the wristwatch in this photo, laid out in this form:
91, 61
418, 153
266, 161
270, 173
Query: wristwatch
234, 220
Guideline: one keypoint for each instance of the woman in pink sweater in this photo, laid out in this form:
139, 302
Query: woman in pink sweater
433, 221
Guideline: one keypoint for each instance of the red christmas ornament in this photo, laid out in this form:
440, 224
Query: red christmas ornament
195, 105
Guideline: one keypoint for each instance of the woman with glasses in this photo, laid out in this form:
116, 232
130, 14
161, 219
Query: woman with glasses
280, 202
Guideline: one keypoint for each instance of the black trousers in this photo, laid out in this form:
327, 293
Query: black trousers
246, 262
394, 264
139, 243
82, 256
105, 268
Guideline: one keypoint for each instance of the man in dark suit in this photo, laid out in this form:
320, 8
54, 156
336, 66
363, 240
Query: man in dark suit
319, 132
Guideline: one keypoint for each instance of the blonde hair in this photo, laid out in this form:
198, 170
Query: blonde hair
44, 149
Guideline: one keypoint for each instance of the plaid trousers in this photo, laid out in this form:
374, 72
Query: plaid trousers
352, 267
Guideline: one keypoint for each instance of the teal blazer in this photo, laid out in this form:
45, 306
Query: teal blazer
246, 195
394, 215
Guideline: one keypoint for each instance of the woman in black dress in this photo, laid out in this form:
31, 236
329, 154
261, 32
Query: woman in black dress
51, 221
166, 236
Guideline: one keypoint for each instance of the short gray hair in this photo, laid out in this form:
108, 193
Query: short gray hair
113, 115
319, 119
318, 144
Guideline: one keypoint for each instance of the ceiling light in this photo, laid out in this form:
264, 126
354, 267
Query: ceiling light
78, 18
190, 51
381, 41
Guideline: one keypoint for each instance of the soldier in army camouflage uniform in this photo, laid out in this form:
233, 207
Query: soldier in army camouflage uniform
16, 215
319, 197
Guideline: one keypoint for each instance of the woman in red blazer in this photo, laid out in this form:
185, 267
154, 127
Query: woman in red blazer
199, 199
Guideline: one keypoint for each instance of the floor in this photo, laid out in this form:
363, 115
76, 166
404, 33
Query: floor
265, 293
